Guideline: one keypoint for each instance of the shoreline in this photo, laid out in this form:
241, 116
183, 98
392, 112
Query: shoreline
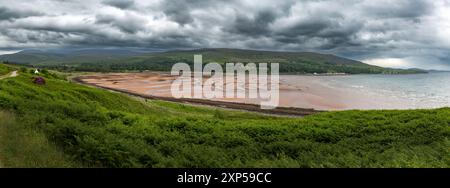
304, 93
285, 111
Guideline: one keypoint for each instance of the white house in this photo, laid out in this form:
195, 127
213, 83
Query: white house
36, 72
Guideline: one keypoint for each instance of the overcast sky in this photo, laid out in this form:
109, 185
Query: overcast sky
395, 33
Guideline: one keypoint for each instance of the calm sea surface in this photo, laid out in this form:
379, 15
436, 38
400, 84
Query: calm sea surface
430, 90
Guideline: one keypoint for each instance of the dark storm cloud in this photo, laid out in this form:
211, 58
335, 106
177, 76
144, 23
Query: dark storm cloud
256, 26
362, 29
178, 11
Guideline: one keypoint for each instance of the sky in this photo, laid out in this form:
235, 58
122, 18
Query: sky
390, 33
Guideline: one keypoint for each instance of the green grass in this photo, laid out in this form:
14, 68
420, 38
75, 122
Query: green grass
4, 69
23, 146
105, 129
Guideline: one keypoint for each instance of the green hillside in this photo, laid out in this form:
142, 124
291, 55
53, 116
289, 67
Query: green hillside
73, 125
4, 69
58, 57
107, 61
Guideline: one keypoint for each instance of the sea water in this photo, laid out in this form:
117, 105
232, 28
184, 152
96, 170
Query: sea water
431, 90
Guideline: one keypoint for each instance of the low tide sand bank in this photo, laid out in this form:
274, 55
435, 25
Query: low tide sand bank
306, 92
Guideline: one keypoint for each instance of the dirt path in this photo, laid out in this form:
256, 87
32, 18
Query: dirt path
14, 74
10, 75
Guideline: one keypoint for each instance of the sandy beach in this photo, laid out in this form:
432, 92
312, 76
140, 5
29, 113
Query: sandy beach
309, 92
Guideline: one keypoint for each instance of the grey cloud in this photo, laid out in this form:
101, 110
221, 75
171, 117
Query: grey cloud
256, 26
358, 29
6, 13
122, 4
399, 9
126, 25
178, 11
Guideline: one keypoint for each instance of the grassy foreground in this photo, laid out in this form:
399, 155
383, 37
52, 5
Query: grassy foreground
66, 124
22, 146
4, 70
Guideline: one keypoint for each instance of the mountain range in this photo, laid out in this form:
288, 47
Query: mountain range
113, 60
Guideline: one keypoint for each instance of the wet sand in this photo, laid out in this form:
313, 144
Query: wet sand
303, 92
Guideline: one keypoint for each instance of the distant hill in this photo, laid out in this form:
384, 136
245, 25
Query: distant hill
124, 59
67, 56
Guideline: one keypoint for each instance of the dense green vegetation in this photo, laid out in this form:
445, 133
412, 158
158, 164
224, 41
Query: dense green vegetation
4, 69
290, 62
24, 146
99, 128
